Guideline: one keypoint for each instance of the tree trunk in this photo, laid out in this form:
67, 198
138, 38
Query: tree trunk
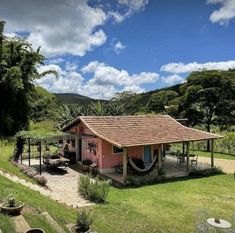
208, 141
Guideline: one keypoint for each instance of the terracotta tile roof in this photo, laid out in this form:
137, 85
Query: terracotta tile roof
126, 131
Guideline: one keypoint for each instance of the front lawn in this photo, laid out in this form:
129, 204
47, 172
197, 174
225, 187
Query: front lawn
166, 207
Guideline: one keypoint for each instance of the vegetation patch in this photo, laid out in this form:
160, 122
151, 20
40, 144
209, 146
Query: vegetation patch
31, 172
152, 178
93, 189
200, 172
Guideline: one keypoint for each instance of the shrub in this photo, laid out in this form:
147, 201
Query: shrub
29, 171
199, 172
94, 190
83, 183
41, 180
147, 179
11, 202
84, 220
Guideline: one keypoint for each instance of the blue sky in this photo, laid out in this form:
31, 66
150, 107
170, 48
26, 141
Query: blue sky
103, 47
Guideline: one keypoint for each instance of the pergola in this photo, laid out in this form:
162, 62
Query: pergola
40, 140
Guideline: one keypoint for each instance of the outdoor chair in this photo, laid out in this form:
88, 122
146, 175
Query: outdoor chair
194, 160
180, 159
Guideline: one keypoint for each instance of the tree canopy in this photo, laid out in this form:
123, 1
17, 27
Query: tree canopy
208, 97
18, 71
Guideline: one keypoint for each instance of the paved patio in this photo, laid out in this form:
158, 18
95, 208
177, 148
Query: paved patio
63, 184
173, 170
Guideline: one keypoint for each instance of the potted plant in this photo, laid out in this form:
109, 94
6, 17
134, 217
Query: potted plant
35, 230
84, 220
85, 165
11, 206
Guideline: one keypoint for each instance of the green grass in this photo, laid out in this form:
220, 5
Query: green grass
166, 207
36, 202
5, 163
216, 155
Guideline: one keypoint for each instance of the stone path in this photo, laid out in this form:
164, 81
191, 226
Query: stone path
62, 188
226, 165
21, 226
53, 223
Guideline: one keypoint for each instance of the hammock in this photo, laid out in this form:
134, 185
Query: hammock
142, 171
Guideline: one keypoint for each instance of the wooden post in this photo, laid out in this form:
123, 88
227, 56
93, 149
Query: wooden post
187, 148
124, 164
29, 150
152, 152
183, 149
159, 157
40, 157
77, 147
212, 153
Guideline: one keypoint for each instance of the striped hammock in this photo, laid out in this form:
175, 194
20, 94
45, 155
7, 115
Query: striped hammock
142, 171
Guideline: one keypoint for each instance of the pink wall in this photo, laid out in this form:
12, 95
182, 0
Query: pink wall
94, 155
109, 160
103, 154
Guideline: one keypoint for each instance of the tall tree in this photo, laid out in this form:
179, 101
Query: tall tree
159, 100
18, 72
208, 98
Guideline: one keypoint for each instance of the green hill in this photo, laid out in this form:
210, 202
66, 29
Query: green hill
72, 98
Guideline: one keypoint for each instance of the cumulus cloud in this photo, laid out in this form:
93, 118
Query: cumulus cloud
67, 81
104, 83
225, 13
104, 74
172, 79
64, 27
130, 7
118, 46
178, 68
59, 27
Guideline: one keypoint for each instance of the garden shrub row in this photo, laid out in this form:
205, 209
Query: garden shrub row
204, 172
31, 172
146, 179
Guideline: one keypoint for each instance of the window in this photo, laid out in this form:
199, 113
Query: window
117, 150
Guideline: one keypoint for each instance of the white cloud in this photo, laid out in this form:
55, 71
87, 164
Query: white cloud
105, 82
69, 66
64, 27
130, 7
56, 60
67, 81
104, 74
178, 68
225, 13
118, 46
59, 27
172, 79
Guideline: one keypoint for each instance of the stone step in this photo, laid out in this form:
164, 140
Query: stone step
21, 225
53, 223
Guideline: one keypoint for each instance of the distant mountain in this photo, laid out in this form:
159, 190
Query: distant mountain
72, 98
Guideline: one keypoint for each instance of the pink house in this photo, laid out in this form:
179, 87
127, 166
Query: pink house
109, 141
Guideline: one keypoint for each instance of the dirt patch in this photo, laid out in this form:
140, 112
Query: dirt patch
226, 165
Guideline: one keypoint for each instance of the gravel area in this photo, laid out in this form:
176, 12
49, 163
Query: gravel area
226, 165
